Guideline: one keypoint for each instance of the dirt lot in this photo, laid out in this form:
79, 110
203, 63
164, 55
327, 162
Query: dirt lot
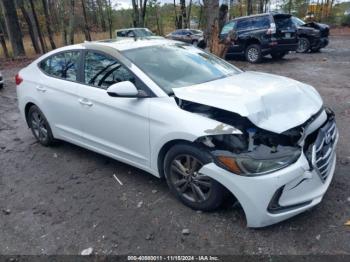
64, 199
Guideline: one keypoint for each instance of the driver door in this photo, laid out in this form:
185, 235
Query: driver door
114, 126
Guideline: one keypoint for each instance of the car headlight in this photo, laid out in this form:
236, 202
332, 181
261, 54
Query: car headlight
256, 163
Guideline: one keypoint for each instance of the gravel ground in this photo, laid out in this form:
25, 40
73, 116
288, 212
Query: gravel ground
63, 199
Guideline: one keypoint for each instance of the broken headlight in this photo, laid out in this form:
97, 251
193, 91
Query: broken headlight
262, 160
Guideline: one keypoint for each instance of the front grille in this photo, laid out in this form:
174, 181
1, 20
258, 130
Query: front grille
323, 149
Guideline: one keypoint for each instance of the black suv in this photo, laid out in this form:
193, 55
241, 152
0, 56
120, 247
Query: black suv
312, 36
260, 35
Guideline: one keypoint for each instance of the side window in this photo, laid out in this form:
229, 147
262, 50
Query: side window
229, 26
63, 65
261, 22
102, 71
243, 25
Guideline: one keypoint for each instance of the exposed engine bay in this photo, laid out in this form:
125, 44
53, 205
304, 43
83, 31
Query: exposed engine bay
252, 151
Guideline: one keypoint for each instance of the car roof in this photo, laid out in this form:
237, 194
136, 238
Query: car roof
260, 15
121, 45
131, 28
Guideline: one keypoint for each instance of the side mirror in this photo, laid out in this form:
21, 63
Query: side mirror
123, 89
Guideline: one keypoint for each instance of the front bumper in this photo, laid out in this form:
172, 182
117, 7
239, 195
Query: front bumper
269, 199
320, 42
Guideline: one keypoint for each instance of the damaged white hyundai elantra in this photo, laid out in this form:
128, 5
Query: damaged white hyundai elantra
178, 112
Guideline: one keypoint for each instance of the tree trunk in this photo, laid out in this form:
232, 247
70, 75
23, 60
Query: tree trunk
37, 25
189, 14
249, 7
110, 18
86, 25
177, 24
136, 15
101, 15
290, 6
211, 13
13, 28
3, 42
71, 22
30, 27
143, 11
183, 13
48, 25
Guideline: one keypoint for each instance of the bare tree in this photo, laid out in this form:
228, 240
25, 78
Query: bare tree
249, 7
86, 25
101, 15
13, 28
109, 16
189, 14
32, 34
71, 22
3, 42
139, 12
183, 13
48, 24
211, 13
37, 25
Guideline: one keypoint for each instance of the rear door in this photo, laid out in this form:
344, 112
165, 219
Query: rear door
285, 29
58, 90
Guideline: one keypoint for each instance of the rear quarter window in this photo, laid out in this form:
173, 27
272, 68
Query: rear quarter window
62, 65
229, 26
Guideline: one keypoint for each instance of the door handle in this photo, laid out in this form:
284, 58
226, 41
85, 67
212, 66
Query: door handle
85, 102
41, 89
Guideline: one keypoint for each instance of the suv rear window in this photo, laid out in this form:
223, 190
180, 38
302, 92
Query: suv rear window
283, 21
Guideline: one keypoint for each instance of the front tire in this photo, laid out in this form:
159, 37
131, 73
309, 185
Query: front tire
303, 45
253, 53
40, 126
195, 190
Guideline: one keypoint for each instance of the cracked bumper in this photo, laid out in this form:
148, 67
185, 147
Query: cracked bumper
300, 189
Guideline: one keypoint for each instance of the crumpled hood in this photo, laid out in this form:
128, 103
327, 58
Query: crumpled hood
271, 102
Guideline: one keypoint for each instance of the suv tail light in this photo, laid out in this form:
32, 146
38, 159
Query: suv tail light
272, 29
18, 79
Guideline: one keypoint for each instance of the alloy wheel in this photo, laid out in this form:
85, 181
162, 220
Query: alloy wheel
39, 126
302, 45
253, 54
187, 181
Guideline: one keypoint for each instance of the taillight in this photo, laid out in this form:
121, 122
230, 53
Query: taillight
18, 79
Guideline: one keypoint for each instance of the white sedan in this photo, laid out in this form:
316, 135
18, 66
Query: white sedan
178, 112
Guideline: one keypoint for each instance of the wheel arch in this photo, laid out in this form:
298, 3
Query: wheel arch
26, 111
251, 41
163, 151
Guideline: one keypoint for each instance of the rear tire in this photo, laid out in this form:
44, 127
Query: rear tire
1, 86
195, 190
253, 53
303, 45
40, 126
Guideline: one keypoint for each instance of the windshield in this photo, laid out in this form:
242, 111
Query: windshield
178, 65
143, 32
297, 21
